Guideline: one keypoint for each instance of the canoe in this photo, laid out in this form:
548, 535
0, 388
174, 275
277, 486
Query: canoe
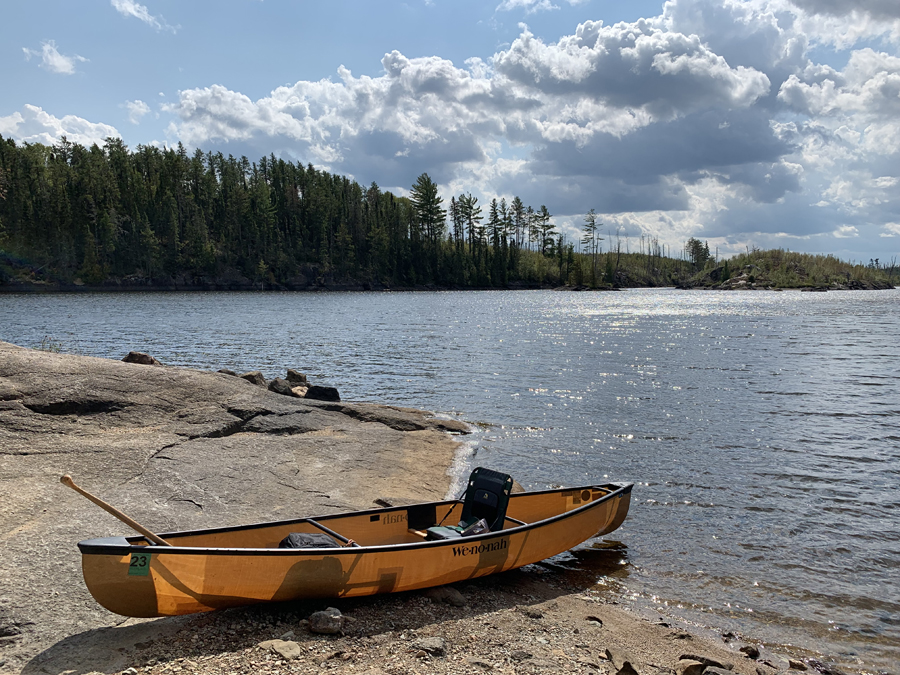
385, 550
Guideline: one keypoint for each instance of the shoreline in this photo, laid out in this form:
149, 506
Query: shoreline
41, 288
58, 411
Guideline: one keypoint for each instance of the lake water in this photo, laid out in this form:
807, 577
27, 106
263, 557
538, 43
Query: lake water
761, 430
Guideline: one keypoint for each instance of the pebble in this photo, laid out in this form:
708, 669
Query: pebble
752, 651
480, 663
532, 612
436, 646
327, 622
689, 667
706, 661
446, 594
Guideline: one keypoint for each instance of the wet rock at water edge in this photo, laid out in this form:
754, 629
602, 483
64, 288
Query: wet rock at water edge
227, 371
281, 386
750, 651
141, 359
824, 668
296, 378
327, 622
254, 377
323, 393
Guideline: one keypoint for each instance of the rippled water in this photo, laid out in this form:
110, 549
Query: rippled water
762, 430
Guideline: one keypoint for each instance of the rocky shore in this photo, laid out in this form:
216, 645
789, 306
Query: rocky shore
178, 449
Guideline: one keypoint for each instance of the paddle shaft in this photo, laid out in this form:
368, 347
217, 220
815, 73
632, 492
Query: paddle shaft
137, 527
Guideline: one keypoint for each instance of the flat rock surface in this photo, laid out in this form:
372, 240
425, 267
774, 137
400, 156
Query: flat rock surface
174, 449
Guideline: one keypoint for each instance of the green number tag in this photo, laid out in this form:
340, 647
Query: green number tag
140, 565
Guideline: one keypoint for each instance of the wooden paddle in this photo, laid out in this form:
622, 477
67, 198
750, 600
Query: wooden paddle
137, 527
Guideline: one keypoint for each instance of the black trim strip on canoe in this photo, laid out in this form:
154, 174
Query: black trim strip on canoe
105, 546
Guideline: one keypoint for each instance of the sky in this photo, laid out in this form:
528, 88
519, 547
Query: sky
759, 123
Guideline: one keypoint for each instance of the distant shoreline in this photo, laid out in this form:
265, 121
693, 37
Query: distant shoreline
39, 288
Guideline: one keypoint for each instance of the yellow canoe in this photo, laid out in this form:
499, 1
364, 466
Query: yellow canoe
212, 569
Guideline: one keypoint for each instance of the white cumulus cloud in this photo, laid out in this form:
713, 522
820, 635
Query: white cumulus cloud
710, 120
34, 125
52, 59
136, 110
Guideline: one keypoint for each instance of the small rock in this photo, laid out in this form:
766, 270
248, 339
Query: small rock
597, 621
446, 594
288, 636
129, 671
520, 655
141, 358
824, 668
532, 612
280, 386
712, 670
681, 635
327, 622
322, 393
332, 655
254, 377
480, 663
287, 649
796, 665
706, 661
622, 662
299, 391
436, 646
295, 377
774, 660
689, 667
227, 371
751, 651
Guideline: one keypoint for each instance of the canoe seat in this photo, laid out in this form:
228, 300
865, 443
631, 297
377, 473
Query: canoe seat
487, 496
484, 506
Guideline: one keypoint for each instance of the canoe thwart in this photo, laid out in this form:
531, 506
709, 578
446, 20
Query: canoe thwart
328, 531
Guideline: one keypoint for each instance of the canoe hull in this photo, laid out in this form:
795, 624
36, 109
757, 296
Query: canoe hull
145, 581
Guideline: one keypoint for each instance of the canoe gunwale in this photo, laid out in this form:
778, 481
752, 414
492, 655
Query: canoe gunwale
124, 545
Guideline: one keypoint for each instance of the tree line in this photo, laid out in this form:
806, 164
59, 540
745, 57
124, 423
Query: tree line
163, 217
70, 213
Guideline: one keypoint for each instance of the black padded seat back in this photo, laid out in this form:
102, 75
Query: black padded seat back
487, 496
